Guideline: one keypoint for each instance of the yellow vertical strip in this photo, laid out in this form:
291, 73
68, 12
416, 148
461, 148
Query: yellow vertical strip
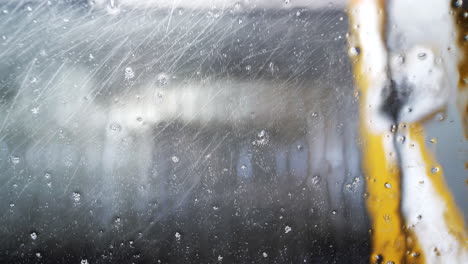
380, 168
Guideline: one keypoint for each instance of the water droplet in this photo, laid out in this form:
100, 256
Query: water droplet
76, 197
315, 180
440, 117
378, 258
47, 175
12, 205
33, 235
215, 208
334, 212
175, 159
14, 159
177, 236
139, 119
273, 68
287, 229
262, 138
458, 3
433, 140
354, 51
220, 258
401, 139
286, 1
422, 55
162, 80
84, 261
38, 255
35, 110
388, 185
129, 73
264, 254
115, 127
243, 167
434, 169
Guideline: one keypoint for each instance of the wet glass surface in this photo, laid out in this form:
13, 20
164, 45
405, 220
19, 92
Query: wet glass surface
179, 134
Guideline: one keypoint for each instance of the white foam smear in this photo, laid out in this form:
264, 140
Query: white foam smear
425, 63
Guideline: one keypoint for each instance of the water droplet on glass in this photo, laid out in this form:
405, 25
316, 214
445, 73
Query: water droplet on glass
177, 236
84, 261
434, 169
401, 139
115, 127
175, 159
162, 80
129, 73
422, 56
264, 254
273, 68
14, 159
35, 110
388, 185
47, 175
287, 229
458, 3
315, 180
354, 51
33, 235
76, 197
38, 255
243, 167
220, 258
262, 138
433, 140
